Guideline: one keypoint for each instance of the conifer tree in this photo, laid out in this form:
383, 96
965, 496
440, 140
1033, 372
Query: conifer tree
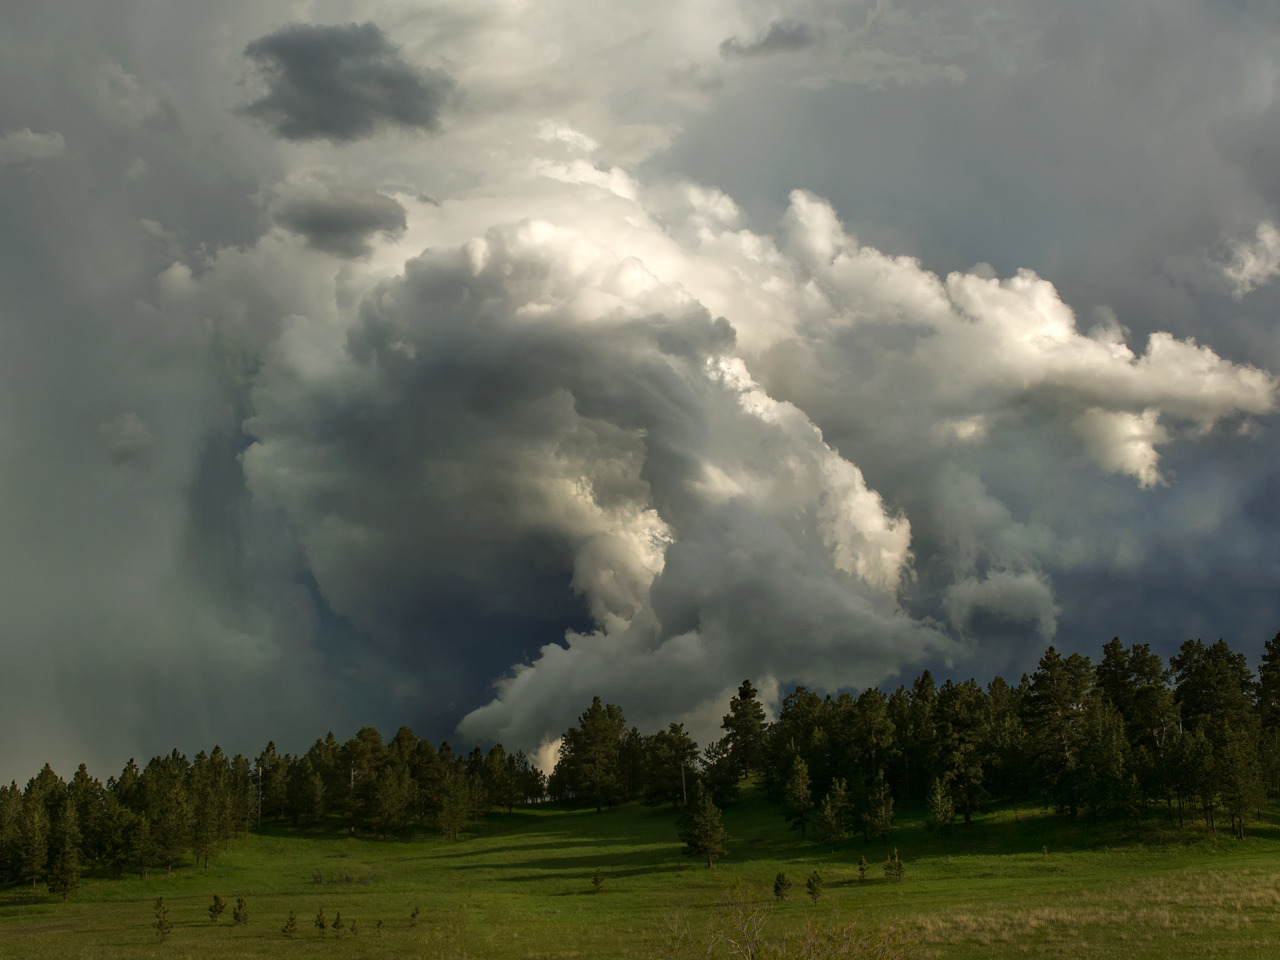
339, 928
813, 886
701, 828
217, 908
833, 814
942, 812
64, 872
745, 729
863, 866
797, 800
162, 925
290, 927
35, 842
894, 869
321, 924
241, 912
781, 886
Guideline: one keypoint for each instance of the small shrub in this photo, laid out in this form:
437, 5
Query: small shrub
597, 881
379, 928
338, 926
781, 886
321, 924
814, 886
413, 917
241, 913
216, 910
290, 925
863, 866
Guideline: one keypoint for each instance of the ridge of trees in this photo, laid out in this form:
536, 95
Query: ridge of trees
1125, 739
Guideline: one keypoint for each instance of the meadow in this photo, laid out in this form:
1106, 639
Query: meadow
1019, 883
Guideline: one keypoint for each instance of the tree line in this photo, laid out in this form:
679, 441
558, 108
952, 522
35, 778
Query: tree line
175, 808
1124, 739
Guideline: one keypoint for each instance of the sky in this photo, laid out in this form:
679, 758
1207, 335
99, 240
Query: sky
451, 363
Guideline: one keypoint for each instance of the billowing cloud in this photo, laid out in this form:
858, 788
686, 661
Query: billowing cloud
579, 394
341, 83
1256, 263
339, 220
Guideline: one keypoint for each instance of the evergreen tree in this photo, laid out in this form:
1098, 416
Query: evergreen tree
701, 828
863, 866
744, 727
589, 754
813, 886
321, 924
240, 915
797, 800
35, 841
877, 814
339, 928
290, 927
781, 886
720, 772
162, 926
64, 871
942, 812
1269, 685
894, 869
217, 908
670, 756
142, 846
833, 814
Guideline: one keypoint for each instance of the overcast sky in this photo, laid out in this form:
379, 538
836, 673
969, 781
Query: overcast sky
449, 363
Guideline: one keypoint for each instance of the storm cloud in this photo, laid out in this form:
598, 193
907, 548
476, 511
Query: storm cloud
881, 335
341, 83
340, 220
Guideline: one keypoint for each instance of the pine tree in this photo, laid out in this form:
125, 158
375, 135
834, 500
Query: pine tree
64, 872
781, 886
814, 886
35, 842
338, 926
942, 812
143, 846
745, 726
321, 924
863, 866
217, 908
162, 926
701, 828
877, 816
597, 881
413, 917
894, 869
832, 814
241, 913
797, 800
290, 925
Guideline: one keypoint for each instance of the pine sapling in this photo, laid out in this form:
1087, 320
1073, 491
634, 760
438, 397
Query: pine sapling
781, 886
814, 886
241, 913
290, 925
862, 869
321, 924
338, 926
217, 908
413, 917
162, 926
597, 881
894, 869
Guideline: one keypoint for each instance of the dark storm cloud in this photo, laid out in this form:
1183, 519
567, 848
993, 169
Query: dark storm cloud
343, 220
783, 36
342, 83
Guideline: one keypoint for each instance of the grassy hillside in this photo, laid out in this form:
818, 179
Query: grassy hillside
1017, 884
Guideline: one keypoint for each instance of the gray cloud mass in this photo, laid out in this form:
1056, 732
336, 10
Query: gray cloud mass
883, 334
340, 220
341, 83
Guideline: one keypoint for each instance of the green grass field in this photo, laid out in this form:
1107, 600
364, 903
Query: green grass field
1019, 883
